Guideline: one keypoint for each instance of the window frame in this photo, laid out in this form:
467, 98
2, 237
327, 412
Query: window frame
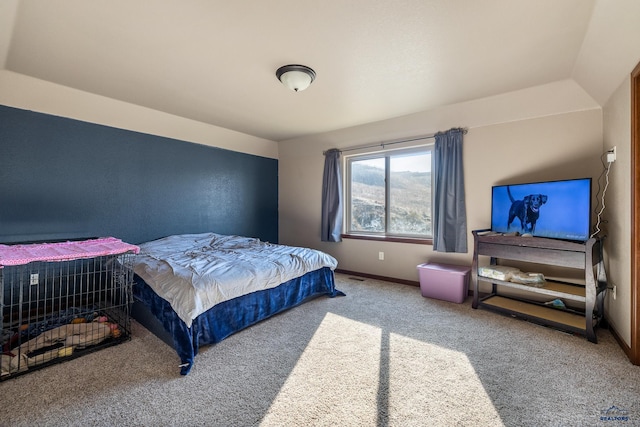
386, 155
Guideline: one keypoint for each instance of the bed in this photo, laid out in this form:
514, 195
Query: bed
197, 289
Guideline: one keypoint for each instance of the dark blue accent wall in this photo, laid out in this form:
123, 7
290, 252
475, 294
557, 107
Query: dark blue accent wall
62, 178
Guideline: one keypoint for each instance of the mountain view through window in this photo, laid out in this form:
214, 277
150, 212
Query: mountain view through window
408, 195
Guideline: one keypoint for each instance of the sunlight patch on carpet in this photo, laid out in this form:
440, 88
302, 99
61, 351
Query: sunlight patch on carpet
355, 371
335, 379
429, 382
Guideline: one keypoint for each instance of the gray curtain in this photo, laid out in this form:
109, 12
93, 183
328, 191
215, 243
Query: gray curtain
332, 198
449, 211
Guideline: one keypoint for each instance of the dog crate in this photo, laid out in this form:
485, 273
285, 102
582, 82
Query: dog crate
62, 300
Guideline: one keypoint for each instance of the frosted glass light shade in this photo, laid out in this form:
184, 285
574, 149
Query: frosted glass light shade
296, 77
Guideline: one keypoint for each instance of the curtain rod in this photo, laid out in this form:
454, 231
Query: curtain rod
383, 144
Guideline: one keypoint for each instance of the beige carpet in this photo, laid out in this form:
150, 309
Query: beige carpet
381, 356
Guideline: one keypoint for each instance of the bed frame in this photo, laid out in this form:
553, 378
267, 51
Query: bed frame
226, 318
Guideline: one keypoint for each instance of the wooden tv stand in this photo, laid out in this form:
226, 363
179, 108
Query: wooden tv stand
589, 297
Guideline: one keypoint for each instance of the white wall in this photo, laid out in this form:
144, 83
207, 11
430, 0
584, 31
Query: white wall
8, 9
617, 132
27, 93
549, 132
610, 48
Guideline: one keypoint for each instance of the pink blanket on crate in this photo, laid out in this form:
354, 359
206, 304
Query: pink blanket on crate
63, 251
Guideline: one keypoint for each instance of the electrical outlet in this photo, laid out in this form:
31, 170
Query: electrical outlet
613, 291
381, 256
34, 279
611, 155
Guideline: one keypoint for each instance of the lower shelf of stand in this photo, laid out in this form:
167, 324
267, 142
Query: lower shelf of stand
551, 288
547, 315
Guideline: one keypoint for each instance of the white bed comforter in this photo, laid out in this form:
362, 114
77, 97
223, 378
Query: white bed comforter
194, 272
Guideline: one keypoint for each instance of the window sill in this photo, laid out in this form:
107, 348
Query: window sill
417, 241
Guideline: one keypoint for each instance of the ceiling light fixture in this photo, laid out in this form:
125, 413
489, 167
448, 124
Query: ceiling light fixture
296, 77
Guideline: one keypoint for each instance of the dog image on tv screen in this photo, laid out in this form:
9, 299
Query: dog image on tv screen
526, 210
556, 209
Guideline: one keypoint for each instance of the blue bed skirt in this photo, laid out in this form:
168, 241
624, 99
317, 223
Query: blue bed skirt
233, 315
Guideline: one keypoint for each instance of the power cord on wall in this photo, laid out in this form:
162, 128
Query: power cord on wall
611, 157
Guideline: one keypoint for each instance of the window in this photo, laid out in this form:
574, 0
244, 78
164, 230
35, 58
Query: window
389, 194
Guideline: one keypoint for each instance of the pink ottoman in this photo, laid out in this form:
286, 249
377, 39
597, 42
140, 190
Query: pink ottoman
444, 281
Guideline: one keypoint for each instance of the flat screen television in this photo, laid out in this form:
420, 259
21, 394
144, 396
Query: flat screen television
553, 209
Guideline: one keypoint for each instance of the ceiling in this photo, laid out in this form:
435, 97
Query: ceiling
215, 61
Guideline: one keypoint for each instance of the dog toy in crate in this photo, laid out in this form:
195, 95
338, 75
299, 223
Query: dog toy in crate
65, 351
115, 330
23, 329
